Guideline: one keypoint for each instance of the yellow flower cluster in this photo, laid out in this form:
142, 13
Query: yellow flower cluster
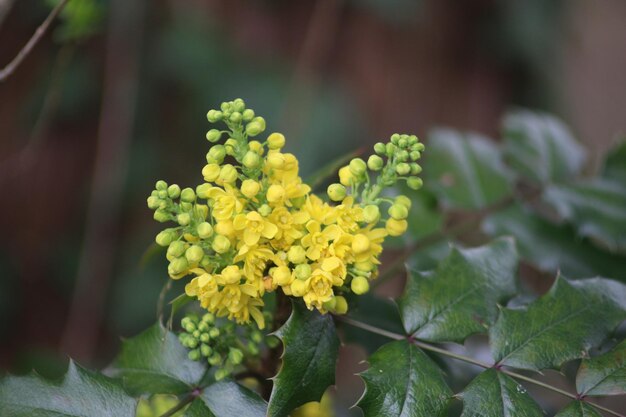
254, 227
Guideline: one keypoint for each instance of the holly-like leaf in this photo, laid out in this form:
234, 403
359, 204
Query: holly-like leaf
578, 409
465, 170
573, 317
604, 374
155, 362
227, 399
597, 208
541, 148
82, 393
615, 163
460, 297
495, 394
309, 358
553, 247
403, 382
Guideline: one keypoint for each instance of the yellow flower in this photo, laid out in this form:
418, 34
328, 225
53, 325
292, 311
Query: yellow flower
289, 225
225, 202
317, 209
254, 227
375, 238
319, 289
317, 240
255, 259
346, 215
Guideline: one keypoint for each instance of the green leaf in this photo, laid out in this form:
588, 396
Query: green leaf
552, 247
604, 374
541, 148
615, 163
578, 409
460, 297
403, 381
597, 208
494, 394
156, 362
227, 399
573, 317
309, 358
465, 170
82, 393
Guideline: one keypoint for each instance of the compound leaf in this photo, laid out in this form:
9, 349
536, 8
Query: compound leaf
604, 374
578, 409
227, 399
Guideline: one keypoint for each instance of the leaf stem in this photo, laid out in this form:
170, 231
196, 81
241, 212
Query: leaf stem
188, 399
467, 359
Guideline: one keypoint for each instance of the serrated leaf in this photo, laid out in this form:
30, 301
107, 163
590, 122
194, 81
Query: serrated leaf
494, 394
155, 362
563, 324
403, 382
597, 208
615, 163
309, 358
552, 247
227, 399
465, 170
604, 374
540, 147
82, 393
460, 297
578, 409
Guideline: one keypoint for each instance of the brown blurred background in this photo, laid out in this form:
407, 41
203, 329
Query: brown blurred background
115, 96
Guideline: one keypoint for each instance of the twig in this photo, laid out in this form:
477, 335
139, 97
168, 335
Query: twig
467, 359
39, 33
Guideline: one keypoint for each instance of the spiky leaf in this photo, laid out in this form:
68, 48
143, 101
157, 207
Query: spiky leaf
460, 297
541, 147
562, 325
310, 354
465, 170
604, 374
155, 362
578, 409
227, 399
495, 394
403, 382
82, 393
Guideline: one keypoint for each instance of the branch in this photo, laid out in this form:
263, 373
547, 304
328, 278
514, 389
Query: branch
39, 33
467, 359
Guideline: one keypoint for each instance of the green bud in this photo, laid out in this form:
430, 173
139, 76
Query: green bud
220, 244
398, 212
255, 127
414, 183
194, 355
162, 194
341, 305
214, 116
192, 342
371, 213
403, 168
403, 200
215, 359
161, 185
390, 149
248, 115
196, 334
395, 138
194, 254
173, 191
253, 348
214, 333
183, 219
216, 154
165, 237
375, 163
419, 147
251, 160
402, 143
177, 266
188, 195
415, 168
202, 190
185, 206
153, 202
330, 304
235, 117
415, 155
336, 192
221, 374
380, 148
213, 135
235, 356
256, 336
413, 140
265, 210
161, 216
357, 167
208, 318
303, 271
203, 326
205, 230
205, 350
205, 338
225, 106
359, 285
230, 146
403, 156
239, 105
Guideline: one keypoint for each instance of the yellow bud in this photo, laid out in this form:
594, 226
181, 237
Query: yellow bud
202, 190
398, 212
396, 227
256, 146
231, 274
194, 254
341, 305
345, 176
228, 174
357, 167
281, 275
276, 141
204, 230
303, 271
403, 200
177, 266
299, 287
336, 192
221, 244
371, 213
359, 285
251, 160
360, 243
250, 188
296, 254
276, 160
275, 193
210, 172
365, 266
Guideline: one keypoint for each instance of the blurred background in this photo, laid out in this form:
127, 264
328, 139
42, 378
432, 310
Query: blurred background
115, 97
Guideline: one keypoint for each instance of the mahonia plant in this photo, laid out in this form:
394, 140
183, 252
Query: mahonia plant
254, 227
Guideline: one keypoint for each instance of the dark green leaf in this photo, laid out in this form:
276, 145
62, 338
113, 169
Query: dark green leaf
465, 170
227, 399
578, 409
460, 297
403, 382
615, 163
541, 147
82, 393
494, 394
597, 208
559, 326
552, 248
309, 358
604, 374
156, 362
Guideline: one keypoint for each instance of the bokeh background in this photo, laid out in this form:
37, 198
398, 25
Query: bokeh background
115, 97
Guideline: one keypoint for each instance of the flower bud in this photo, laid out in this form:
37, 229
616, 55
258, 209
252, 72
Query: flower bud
398, 211
194, 355
396, 227
403, 200
161, 216
357, 167
360, 243
177, 266
194, 254
414, 183
228, 174
208, 318
402, 156
415, 168
214, 116
176, 249
390, 149
415, 155
365, 266
380, 148
330, 304
235, 117
419, 147
215, 359
183, 219
402, 143
213, 135
205, 350
251, 160
230, 146
276, 141
205, 338
375, 163
403, 168
281, 275
186, 206
210, 172
173, 191
248, 115
204, 230
341, 305
250, 188
220, 244
188, 195
256, 336
221, 374
275, 193
296, 254
336, 192
162, 194
161, 185
231, 274
299, 287
239, 105
359, 285
412, 140
217, 153
371, 213
153, 202
303, 272
214, 333
395, 138
276, 160
256, 146
235, 356
255, 127
165, 237
265, 210
345, 176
